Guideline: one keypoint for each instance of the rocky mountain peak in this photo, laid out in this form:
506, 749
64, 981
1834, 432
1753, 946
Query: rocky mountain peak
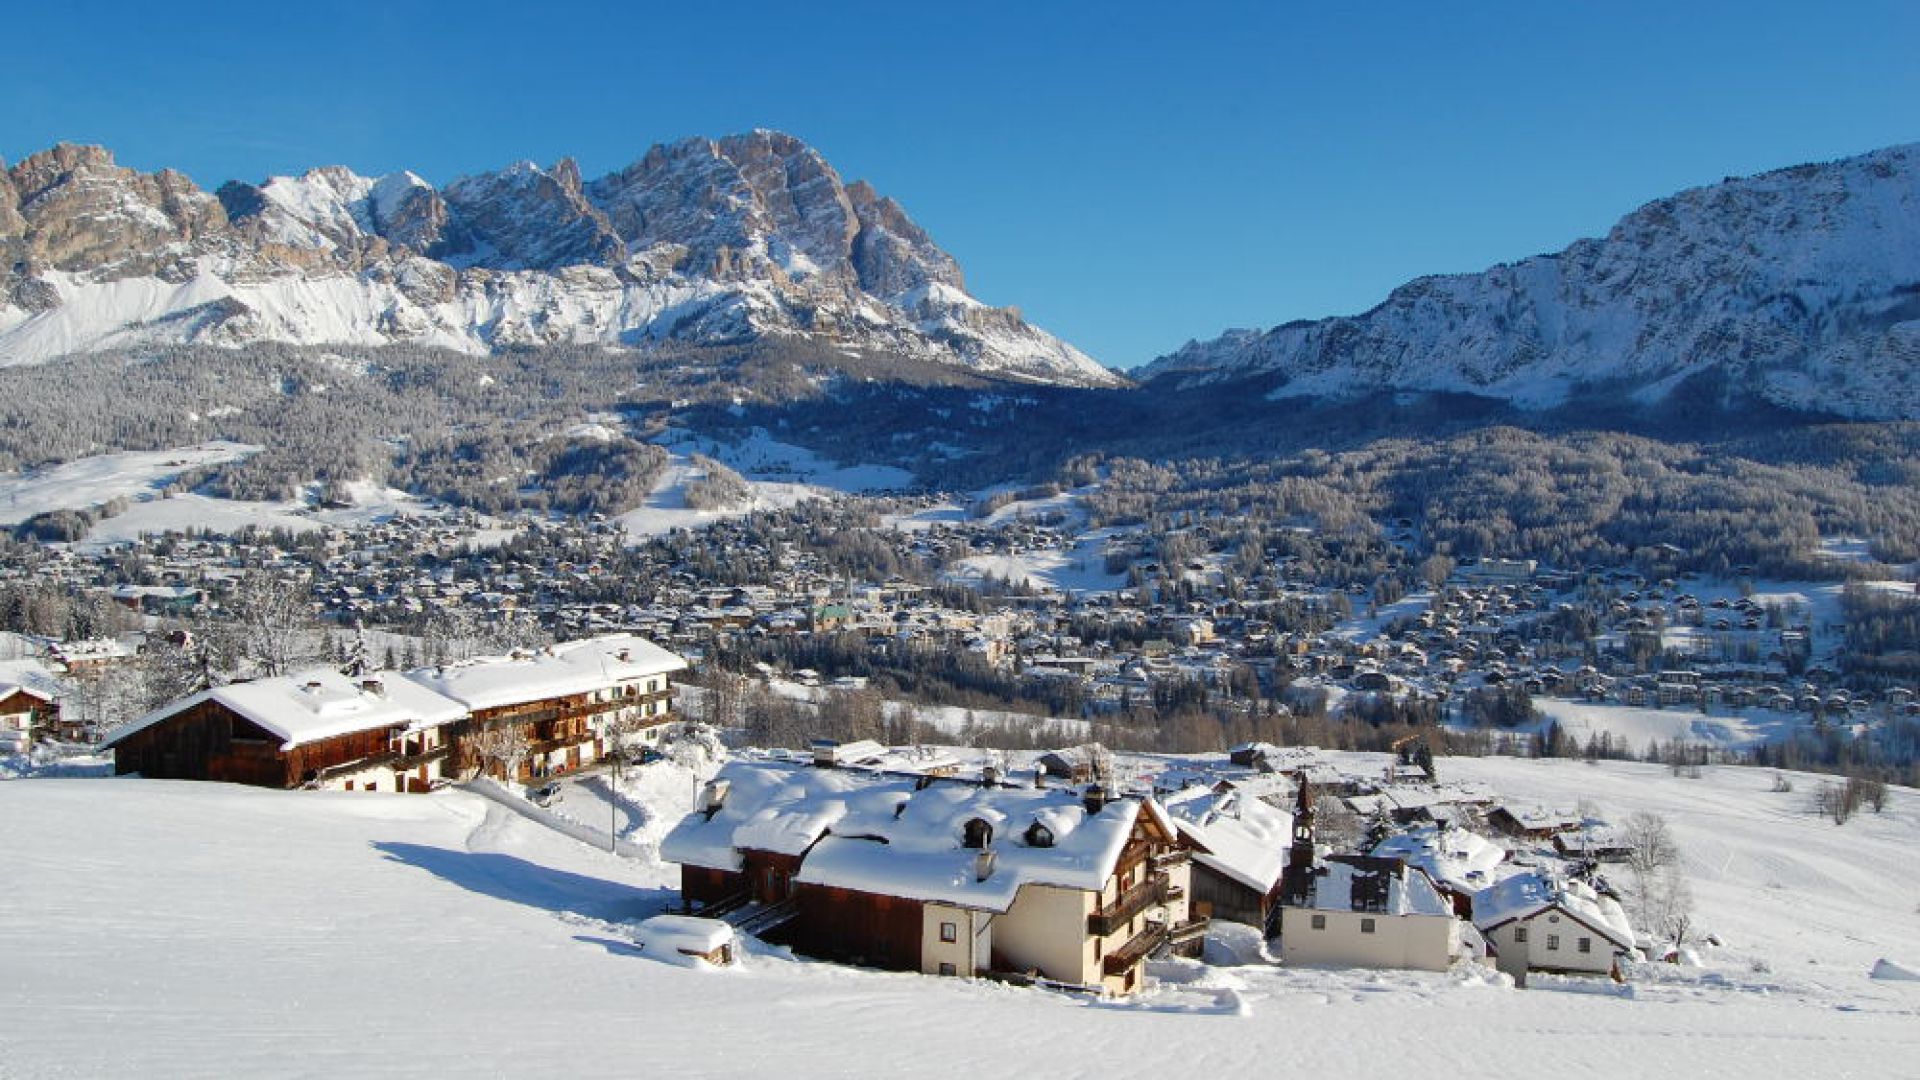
704, 240
1798, 287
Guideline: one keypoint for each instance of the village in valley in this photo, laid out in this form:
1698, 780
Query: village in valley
809, 812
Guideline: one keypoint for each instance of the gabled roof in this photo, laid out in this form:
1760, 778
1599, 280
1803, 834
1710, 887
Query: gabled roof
8, 689
1240, 836
893, 837
577, 667
317, 704
1527, 895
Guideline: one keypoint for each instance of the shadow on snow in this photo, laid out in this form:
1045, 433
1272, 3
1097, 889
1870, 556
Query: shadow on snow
507, 877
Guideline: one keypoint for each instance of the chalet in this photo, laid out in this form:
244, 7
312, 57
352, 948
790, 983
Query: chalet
557, 707
319, 728
1074, 764
1535, 922
1532, 823
1239, 850
941, 877
23, 712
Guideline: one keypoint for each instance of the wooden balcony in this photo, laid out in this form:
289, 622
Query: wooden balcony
1154, 890
1182, 933
1137, 948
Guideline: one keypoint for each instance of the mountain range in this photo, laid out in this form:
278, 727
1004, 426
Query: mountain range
1798, 288
703, 242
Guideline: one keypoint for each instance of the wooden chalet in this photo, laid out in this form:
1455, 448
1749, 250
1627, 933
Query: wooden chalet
543, 712
24, 711
564, 703
1239, 844
319, 728
946, 877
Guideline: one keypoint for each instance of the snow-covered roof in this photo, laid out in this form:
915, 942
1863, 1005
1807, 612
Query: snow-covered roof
8, 689
917, 852
1409, 891
888, 835
773, 806
1460, 859
318, 704
1526, 895
577, 667
1242, 837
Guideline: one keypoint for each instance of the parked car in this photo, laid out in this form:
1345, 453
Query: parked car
546, 794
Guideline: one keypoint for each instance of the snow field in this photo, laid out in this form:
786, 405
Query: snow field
173, 929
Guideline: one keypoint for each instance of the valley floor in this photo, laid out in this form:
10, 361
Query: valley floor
171, 929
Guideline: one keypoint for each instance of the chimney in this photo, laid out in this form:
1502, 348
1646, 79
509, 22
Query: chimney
374, 687
1094, 798
713, 796
990, 775
983, 865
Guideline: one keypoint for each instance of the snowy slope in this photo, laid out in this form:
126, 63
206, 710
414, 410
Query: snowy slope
703, 241
212, 929
1800, 287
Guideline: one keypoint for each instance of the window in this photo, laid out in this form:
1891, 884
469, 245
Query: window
1519, 935
1366, 926
1319, 922
948, 969
1586, 944
1553, 942
949, 932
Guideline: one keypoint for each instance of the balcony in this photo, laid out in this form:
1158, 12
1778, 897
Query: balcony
1154, 890
1137, 948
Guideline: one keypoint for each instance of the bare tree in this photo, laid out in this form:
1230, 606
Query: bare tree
504, 747
1659, 887
270, 627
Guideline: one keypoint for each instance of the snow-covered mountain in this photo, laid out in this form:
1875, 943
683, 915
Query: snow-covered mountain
702, 241
1799, 287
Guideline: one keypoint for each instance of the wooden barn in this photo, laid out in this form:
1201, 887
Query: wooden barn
318, 728
1239, 844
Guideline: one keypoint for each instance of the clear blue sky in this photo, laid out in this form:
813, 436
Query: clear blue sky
1130, 175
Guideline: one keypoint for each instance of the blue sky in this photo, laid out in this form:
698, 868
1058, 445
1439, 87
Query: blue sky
1130, 175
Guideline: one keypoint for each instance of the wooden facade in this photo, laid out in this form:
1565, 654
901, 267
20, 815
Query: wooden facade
209, 741
857, 927
562, 733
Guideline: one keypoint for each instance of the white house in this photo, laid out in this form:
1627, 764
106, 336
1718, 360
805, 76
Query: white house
1362, 911
1535, 922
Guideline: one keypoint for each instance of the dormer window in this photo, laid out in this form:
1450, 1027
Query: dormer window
976, 833
1039, 835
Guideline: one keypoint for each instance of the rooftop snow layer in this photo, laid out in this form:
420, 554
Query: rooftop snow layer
318, 704
1525, 895
577, 667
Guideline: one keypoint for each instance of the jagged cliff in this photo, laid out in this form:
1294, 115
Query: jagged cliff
702, 241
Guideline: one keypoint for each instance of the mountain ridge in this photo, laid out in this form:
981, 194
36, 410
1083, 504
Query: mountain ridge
1798, 287
701, 241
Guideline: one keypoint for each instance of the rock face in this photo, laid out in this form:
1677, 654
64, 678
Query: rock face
1799, 287
702, 241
